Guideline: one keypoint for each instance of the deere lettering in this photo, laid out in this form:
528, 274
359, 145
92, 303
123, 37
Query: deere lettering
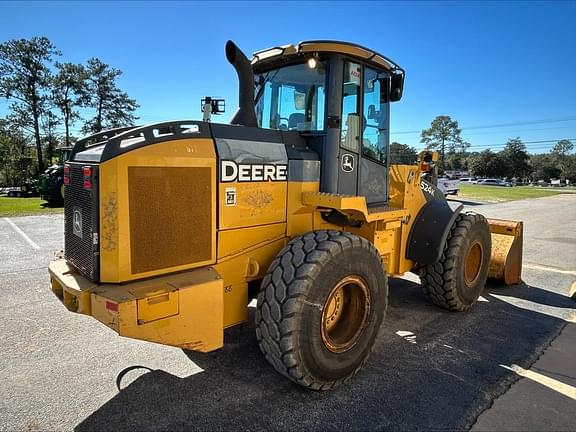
230, 171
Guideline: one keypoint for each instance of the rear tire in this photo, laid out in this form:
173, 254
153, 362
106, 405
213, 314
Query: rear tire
320, 307
57, 193
457, 279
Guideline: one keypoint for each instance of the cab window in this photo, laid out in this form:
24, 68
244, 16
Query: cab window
375, 136
350, 132
292, 98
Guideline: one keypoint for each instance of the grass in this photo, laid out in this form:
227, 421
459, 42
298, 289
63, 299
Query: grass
500, 193
25, 207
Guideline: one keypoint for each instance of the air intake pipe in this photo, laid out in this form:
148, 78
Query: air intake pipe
245, 115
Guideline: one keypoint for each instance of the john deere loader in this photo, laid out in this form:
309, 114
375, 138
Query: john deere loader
171, 229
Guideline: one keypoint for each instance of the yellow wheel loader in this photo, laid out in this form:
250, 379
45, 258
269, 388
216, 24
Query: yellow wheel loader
171, 229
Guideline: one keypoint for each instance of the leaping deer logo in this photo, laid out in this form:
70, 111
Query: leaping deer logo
347, 163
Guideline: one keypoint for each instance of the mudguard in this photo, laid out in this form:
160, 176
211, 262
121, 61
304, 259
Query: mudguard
430, 231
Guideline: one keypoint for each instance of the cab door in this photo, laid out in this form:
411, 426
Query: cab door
364, 134
373, 175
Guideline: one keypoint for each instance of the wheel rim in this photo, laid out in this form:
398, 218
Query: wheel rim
473, 263
345, 314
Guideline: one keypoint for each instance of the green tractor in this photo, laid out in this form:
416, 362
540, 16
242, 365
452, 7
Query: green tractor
51, 181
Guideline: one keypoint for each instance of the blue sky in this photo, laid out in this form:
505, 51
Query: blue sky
483, 63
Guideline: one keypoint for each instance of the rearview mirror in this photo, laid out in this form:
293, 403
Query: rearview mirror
396, 86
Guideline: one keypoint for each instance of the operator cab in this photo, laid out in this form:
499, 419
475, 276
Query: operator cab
337, 96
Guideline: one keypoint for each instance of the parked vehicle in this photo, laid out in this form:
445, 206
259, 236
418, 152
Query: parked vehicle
27, 189
494, 182
448, 186
468, 180
51, 181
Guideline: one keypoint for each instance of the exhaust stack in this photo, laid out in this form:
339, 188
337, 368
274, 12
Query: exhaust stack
245, 115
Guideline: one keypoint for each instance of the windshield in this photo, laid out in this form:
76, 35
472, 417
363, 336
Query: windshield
64, 155
292, 98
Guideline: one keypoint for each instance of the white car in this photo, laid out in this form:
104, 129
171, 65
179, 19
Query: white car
494, 182
448, 187
468, 180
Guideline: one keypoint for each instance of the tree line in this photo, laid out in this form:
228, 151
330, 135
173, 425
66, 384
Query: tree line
45, 96
514, 161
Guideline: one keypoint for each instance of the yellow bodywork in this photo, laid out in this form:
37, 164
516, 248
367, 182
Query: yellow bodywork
115, 213
506, 258
169, 298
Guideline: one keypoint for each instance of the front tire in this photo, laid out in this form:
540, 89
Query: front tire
320, 307
457, 279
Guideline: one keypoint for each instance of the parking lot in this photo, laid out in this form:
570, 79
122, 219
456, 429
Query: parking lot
430, 369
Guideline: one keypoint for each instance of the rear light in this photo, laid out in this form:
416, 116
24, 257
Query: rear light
113, 307
66, 174
87, 177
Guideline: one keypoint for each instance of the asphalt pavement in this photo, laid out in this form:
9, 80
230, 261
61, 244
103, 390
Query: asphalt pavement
430, 369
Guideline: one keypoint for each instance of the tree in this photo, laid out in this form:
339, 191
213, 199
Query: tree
113, 107
402, 154
516, 158
50, 137
12, 154
69, 92
443, 132
561, 151
487, 164
25, 77
544, 167
569, 170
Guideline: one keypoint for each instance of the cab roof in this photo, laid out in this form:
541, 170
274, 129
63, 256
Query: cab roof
261, 59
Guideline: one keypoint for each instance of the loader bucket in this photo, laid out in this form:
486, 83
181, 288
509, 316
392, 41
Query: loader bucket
506, 256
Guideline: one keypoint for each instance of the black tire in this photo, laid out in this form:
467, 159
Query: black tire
56, 196
457, 279
294, 327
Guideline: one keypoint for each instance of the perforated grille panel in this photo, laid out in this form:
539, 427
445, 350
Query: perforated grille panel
80, 222
170, 216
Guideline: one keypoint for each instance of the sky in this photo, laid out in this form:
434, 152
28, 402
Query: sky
501, 69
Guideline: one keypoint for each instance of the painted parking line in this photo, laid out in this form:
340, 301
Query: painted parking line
22, 234
549, 269
558, 386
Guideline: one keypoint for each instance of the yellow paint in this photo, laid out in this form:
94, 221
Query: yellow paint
115, 260
72, 289
184, 309
316, 47
300, 216
236, 241
237, 270
156, 306
506, 254
257, 203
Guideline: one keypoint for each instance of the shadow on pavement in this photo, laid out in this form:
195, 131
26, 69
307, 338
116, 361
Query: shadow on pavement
430, 369
46, 204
